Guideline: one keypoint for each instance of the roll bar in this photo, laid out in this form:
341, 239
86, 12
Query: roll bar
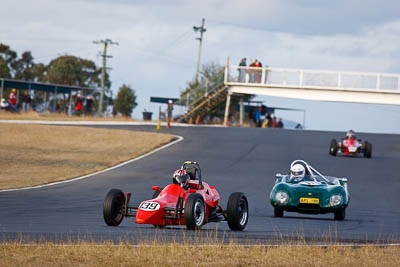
196, 165
310, 169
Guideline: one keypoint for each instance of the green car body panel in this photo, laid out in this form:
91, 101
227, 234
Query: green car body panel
317, 192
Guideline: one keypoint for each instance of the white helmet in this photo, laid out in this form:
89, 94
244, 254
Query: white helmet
297, 172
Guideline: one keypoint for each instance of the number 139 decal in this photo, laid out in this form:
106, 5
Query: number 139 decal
149, 206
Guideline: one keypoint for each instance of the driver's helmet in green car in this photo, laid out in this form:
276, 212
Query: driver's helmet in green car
297, 173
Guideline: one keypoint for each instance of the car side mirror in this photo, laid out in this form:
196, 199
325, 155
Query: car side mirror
156, 188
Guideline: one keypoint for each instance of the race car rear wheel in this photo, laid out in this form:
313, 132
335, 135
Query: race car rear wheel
278, 212
333, 148
340, 215
367, 149
194, 212
113, 207
238, 211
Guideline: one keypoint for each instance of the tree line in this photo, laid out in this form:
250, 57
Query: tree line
66, 70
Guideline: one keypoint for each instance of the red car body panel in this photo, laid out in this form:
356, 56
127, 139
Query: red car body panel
168, 198
350, 147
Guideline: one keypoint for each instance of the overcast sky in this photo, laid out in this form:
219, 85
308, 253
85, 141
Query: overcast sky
157, 51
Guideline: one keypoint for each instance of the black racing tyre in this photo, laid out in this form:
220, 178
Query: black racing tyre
333, 148
340, 215
238, 211
113, 207
194, 212
367, 149
278, 212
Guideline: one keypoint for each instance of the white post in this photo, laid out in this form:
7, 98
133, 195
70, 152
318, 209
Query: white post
241, 111
378, 82
228, 103
301, 78
339, 79
1, 88
263, 76
70, 103
398, 81
226, 70
284, 78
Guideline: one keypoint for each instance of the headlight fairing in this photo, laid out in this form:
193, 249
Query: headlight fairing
282, 197
335, 200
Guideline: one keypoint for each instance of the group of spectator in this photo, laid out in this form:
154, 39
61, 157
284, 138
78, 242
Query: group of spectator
83, 105
254, 75
11, 104
267, 121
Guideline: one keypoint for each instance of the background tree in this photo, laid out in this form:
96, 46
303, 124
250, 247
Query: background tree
211, 77
7, 61
72, 70
125, 101
24, 67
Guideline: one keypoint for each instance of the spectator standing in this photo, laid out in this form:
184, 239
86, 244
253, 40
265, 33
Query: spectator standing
13, 99
89, 105
258, 117
242, 70
280, 123
26, 101
79, 105
258, 72
252, 71
274, 123
170, 108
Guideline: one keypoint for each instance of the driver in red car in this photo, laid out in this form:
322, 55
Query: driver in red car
351, 135
181, 178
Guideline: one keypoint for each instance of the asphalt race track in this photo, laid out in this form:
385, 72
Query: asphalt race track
232, 159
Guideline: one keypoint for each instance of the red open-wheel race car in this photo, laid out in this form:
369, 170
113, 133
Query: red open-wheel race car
187, 201
350, 146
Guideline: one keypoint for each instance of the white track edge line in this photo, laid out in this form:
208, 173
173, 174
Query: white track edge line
180, 138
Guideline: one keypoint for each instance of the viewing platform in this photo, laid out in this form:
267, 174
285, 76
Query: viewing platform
338, 86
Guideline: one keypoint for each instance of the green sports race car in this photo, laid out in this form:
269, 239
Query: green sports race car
311, 192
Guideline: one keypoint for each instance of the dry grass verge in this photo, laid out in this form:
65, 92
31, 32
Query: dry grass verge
40, 154
56, 117
90, 254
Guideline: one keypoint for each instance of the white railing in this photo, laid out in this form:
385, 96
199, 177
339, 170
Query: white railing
297, 78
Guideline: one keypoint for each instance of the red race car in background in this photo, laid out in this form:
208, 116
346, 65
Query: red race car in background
350, 146
187, 201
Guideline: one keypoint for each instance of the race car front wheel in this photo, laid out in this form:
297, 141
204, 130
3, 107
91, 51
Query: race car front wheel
278, 212
340, 215
195, 212
238, 211
367, 149
113, 207
333, 148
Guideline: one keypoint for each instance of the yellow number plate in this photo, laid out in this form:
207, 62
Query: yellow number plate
309, 200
